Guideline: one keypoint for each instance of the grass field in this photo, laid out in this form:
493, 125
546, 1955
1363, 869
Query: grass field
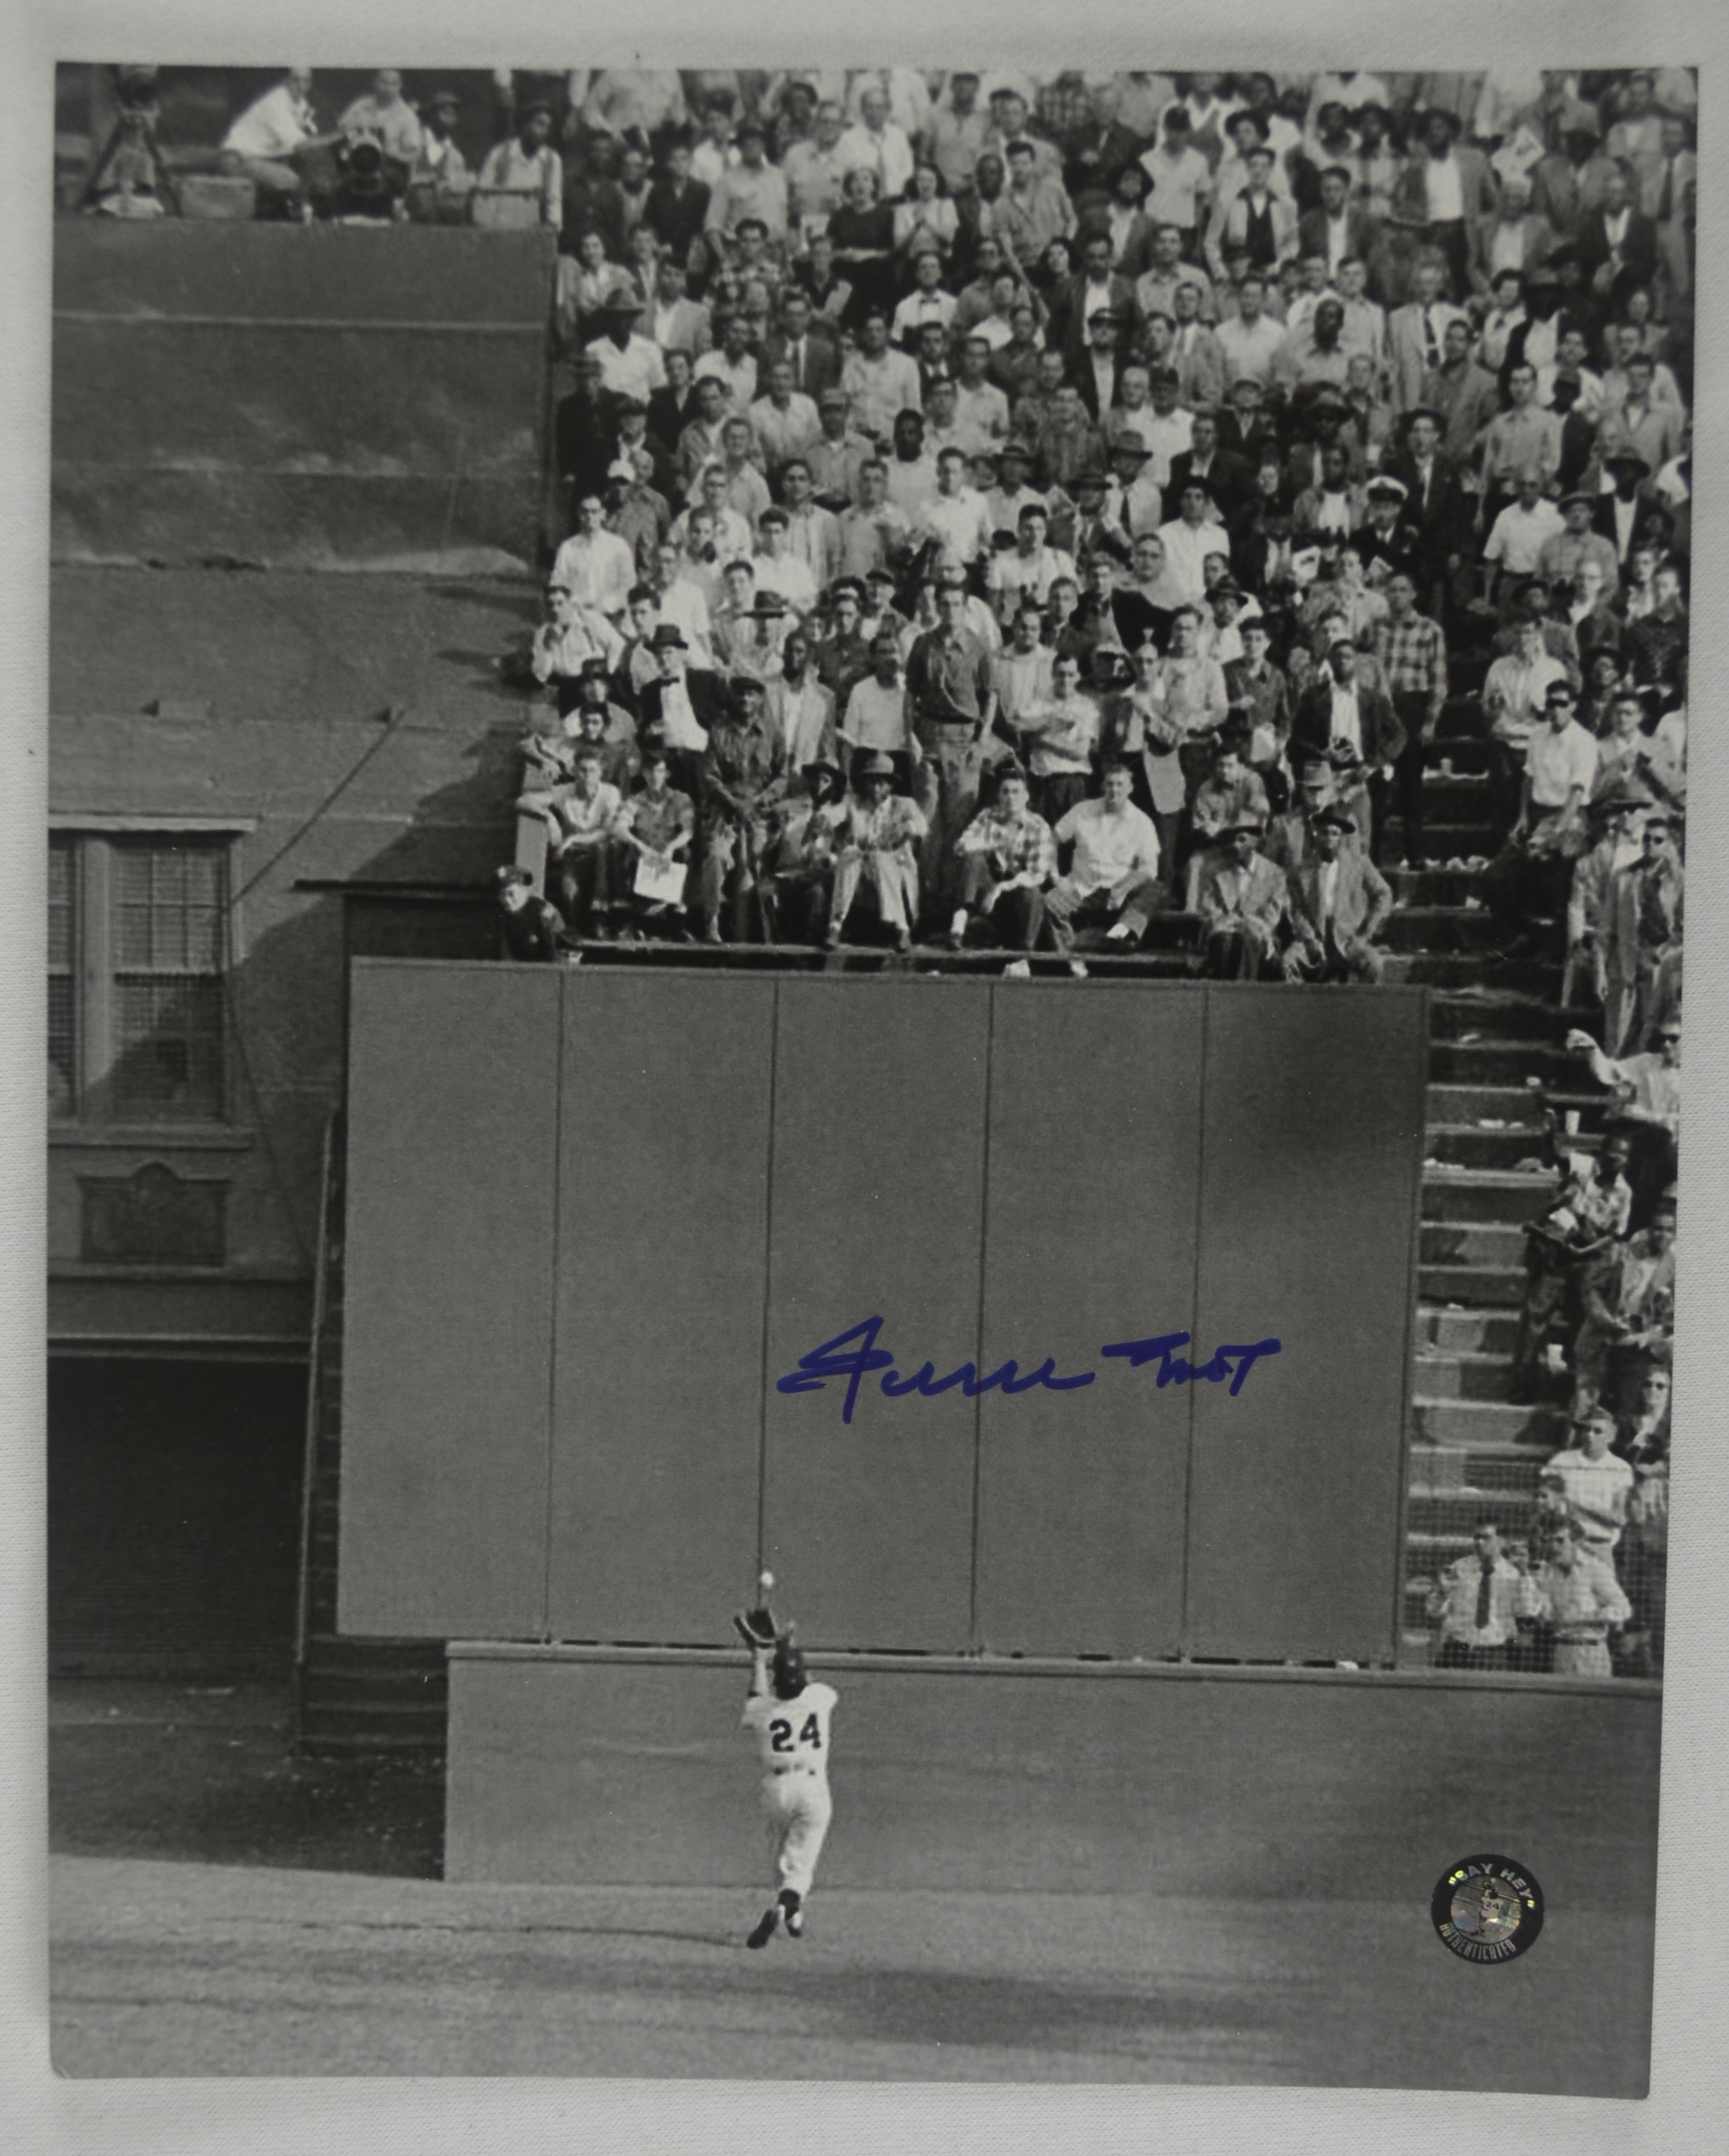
220, 1907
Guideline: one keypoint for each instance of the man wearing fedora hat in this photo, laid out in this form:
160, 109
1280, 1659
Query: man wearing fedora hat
797, 891
680, 706
1241, 899
1338, 903
631, 366
1563, 555
877, 856
1623, 515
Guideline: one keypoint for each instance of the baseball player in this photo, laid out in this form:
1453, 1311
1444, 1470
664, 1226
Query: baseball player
790, 1717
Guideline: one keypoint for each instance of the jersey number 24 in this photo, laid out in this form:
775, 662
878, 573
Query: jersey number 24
780, 1736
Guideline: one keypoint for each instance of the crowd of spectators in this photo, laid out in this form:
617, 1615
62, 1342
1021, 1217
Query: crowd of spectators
1249, 434
1003, 509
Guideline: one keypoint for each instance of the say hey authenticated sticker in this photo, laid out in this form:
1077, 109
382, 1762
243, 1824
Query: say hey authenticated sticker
1487, 1909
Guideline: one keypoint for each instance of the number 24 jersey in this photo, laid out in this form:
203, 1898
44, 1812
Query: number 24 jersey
793, 1732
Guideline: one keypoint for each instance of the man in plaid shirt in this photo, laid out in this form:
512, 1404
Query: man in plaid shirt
1007, 856
1412, 655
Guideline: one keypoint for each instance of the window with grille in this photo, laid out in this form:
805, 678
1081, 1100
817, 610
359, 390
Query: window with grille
137, 957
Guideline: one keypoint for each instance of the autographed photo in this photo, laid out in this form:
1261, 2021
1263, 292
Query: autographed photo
865, 930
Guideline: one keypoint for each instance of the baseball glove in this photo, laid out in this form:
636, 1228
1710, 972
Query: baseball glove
756, 1628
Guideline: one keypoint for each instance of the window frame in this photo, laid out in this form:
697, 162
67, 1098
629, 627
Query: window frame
95, 969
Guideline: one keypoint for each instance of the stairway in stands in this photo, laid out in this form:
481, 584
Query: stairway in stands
351, 1694
1496, 1058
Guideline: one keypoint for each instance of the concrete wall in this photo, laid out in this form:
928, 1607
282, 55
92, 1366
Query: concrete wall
299, 396
580, 1766
276, 689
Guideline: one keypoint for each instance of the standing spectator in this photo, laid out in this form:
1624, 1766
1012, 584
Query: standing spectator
1416, 332
522, 179
1412, 654
1648, 1088
952, 704
878, 144
751, 188
1478, 1602
677, 209
1580, 1599
595, 565
1181, 178
744, 777
1060, 738
1585, 1485
1350, 720
1642, 1555
1618, 243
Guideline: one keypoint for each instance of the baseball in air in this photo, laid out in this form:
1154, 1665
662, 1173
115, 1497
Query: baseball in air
764, 1582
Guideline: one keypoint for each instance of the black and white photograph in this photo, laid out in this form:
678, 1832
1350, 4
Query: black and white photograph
865, 892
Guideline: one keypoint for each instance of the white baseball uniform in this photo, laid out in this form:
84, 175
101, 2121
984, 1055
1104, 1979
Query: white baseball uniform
792, 1736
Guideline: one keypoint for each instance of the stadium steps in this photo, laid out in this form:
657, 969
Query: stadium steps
351, 1694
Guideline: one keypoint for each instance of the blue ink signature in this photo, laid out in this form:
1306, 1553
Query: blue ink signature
838, 1358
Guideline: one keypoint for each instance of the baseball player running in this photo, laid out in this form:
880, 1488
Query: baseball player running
790, 1716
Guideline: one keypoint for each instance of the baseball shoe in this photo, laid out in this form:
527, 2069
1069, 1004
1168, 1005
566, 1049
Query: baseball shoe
765, 1929
795, 1909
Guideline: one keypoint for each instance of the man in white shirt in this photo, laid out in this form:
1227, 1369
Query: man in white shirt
595, 565
779, 569
1515, 544
264, 143
1168, 430
1530, 877
631, 366
880, 382
785, 423
1114, 876
878, 144
1251, 341
1189, 539
956, 515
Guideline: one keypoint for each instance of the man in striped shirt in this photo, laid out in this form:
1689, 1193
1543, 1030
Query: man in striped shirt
1412, 655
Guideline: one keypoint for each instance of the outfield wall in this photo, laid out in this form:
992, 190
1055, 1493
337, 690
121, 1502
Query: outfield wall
595, 1217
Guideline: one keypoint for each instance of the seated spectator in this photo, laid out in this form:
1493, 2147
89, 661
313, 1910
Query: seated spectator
600, 723
1581, 1603
1290, 836
530, 926
384, 117
656, 827
1029, 569
1630, 1302
876, 858
265, 143
1478, 1602
798, 892
1231, 794
1112, 878
1338, 903
1589, 1213
583, 850
1008, 857
1241, 899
